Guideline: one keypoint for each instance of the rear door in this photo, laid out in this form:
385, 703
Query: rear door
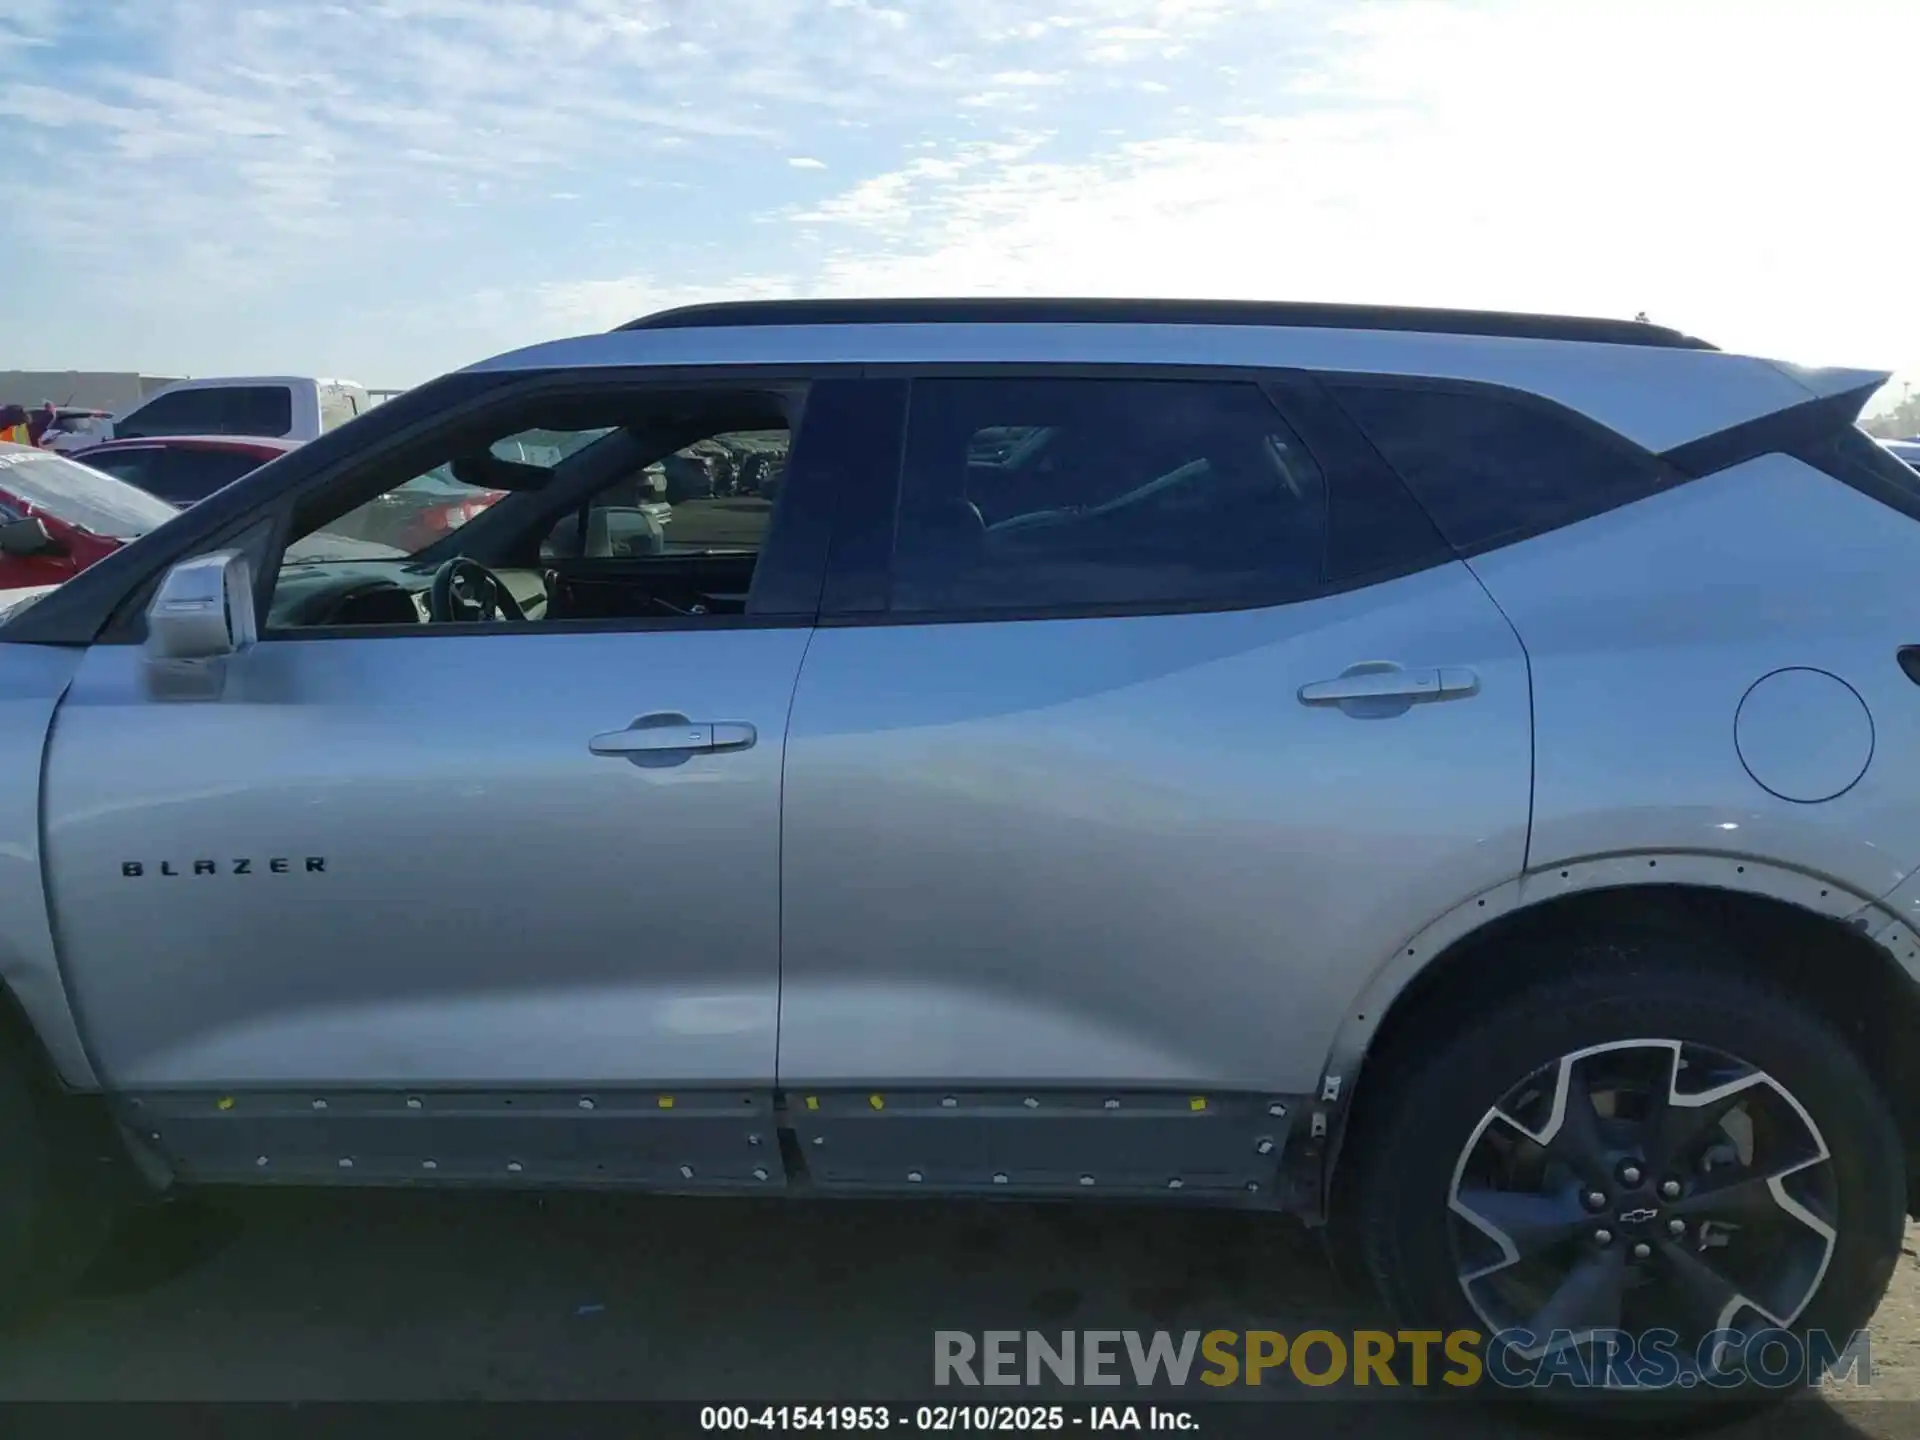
1146, 719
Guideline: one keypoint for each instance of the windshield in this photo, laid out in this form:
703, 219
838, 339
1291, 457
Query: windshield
81, 496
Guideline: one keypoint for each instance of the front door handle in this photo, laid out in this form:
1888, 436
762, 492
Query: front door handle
673, 734
1391, 684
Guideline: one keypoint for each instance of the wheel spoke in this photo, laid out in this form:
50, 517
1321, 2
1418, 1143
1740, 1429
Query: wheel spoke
1532, 1222
1707, 1296
1587, 1299
1578, 1141
1676, 1131
1746, 1199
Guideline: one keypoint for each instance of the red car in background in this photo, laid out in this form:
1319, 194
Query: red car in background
57, 517
182, 469
185, 469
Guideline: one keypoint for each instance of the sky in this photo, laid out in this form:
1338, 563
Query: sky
388, 189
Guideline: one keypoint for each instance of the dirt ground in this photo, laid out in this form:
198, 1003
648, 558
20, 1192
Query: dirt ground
310, 1295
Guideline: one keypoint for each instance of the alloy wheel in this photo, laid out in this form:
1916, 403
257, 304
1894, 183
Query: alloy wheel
1639, 1185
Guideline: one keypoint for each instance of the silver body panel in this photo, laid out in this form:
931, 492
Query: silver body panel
1734, 577
32, 681
499, 906
1087, 851
982, 903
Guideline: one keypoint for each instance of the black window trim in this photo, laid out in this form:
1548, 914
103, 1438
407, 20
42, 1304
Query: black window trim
1325, 431
109, 609
1661, 473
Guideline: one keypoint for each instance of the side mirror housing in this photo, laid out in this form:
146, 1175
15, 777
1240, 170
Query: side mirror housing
28, 537
203, 609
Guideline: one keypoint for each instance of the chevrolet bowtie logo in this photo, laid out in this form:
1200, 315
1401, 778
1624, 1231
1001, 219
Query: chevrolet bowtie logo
1637, 1217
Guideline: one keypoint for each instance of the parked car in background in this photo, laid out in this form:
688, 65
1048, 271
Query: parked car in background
75, 428
58, 516
279, 407
183, 469
412, 516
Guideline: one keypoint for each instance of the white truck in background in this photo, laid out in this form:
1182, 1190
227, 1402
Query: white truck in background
280, 407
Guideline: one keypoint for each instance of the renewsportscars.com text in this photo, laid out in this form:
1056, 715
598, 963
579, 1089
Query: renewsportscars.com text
1458, 1359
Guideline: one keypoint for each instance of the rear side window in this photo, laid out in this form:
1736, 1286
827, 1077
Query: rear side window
1494, 467
218, 410
1040, 494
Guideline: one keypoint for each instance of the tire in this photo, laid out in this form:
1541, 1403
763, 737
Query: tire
1605, 997
51, 1223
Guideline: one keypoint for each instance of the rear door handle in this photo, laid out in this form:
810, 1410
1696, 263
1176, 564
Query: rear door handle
670, 733
1382, 682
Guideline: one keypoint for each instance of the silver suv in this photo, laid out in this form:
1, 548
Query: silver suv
1445, 775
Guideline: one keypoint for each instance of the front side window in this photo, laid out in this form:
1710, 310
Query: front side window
213, 410
1042, 494
627, 507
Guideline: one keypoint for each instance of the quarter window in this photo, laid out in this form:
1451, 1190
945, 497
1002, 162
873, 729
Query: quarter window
1493, 468
1025, 494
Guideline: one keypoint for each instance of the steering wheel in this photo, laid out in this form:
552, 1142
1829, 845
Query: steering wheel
464, 590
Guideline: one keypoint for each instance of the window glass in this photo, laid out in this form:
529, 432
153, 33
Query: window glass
186, 477
336, 407
1490, 468
714, 496
590, 516
137, 467
81, 496
215, 410
1034, 494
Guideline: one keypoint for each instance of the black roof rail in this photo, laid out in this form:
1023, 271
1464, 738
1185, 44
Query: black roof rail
1164, 312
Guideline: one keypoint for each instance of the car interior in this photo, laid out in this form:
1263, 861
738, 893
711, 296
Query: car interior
655, 515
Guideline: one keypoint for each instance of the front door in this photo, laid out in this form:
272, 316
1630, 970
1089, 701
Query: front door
1097, 829
478, 897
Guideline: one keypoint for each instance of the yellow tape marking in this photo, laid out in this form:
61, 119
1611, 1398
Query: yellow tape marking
666, 1102
813, 1102
1198, 1102
876, 1102
225, 1102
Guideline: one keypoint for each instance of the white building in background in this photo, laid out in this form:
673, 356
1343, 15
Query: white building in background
116, 391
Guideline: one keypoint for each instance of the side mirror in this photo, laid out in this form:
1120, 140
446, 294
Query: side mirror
28, 537
204, 609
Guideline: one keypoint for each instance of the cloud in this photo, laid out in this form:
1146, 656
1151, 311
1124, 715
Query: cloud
376, 186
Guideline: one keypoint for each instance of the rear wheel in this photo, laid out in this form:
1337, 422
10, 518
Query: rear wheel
1636, 1177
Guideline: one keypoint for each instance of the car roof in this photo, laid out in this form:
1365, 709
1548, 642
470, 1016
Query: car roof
1657, 392
1040, 311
